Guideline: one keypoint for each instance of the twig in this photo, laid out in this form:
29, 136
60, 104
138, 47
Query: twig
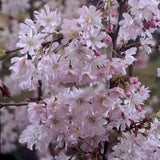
12, 104
31, 9
115, 35
39, 90
44, 44
105, 150
52, 152
130, 70
10, 52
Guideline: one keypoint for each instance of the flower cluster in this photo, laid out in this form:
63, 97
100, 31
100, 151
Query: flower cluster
83, 114
75, 60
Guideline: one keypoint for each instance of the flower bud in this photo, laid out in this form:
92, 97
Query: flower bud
152, 24
113, 13
109, 27
157, 19
132, 122
128, 94
97, 53
139, 108
108, 39
133, 80
104, 18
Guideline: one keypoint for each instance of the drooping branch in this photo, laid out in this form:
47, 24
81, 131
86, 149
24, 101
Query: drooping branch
44, 44
10, 52
12, 104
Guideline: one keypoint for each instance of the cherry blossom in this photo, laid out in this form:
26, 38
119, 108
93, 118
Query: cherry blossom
89, 103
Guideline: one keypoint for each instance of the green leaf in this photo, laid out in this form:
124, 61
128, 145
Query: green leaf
159, 6
2, 52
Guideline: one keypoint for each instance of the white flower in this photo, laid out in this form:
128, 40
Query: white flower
129, 59
90, 16
145, 44
30, 42
35, 135
49, 20
93, 38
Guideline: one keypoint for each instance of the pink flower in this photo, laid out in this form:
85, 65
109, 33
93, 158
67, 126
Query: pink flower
108, 39
30, 42
35, 135
90, 16
36, 112
49, 20
25, 73
129, 58
133, 80
93, 38
116, 92
128, 94
97, 53
70, 30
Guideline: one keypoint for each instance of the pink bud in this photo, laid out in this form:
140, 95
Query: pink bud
9, 94
139, 108
109, 27
100, 7
105, 18
116, 92
143, 29
128, 94
97, 53
157, 19
108, 39
152, 24
133, 80
113, 13
132, 122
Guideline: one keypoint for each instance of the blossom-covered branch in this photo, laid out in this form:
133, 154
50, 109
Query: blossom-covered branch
72, 60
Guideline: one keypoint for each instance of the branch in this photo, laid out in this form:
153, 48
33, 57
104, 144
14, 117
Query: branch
44, 44
39, 90
12, 104
10, 52
105, 151
31, 9
51, 149
122, 6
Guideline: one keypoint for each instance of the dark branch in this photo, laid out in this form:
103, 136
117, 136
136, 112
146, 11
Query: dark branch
39, 90
12, 104
31, 9
121, 10
44, 44
10, 52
